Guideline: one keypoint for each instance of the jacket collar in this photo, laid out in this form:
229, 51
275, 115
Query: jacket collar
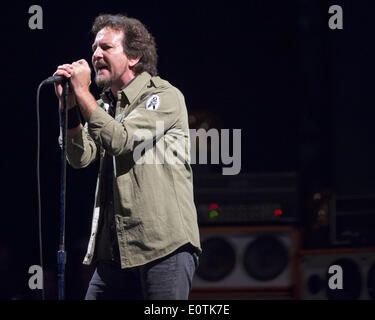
130, 90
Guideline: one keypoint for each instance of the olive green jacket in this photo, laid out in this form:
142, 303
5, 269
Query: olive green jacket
153, 186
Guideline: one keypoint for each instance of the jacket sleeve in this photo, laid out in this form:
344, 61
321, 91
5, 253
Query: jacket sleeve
145, 122
81, 150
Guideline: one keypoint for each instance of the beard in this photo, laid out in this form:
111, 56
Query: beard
103, 82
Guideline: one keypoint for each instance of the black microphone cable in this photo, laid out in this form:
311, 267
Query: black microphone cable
38, 187
59, 79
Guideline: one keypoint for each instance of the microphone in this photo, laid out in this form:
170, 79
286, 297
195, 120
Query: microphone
58, 79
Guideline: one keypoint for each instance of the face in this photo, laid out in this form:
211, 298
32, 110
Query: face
111, 65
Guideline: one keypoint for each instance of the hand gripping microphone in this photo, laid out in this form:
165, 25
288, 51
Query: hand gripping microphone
57, 79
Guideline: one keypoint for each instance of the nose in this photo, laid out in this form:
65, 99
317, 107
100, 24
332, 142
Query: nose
98, 53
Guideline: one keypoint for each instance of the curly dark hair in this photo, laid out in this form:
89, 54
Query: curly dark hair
138, 42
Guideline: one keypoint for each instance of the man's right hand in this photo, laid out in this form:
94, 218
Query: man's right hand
64, 70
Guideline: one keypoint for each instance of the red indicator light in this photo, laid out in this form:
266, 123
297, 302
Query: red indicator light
213, 212
213, 206
278, 212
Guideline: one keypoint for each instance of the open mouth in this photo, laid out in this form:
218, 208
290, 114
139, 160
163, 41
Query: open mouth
102, 69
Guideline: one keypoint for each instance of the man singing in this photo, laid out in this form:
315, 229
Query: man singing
144, 239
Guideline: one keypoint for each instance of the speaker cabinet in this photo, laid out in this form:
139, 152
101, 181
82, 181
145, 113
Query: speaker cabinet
358, 274
246, 262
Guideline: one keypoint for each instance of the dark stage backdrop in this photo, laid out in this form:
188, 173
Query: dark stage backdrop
301, 94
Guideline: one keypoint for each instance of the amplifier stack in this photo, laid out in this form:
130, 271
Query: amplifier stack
255, 245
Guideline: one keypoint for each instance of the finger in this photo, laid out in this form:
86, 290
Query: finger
66, 65
78, 62
67, 68
57, 85
62, 72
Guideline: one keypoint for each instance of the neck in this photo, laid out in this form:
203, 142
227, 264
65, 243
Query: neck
123, 81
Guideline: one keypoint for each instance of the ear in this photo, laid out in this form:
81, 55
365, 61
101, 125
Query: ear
133, 62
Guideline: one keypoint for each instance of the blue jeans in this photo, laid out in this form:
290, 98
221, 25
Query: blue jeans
168, 278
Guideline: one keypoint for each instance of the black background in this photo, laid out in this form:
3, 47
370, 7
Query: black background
301, 93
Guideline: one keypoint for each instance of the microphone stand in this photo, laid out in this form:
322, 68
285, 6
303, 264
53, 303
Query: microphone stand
61, 254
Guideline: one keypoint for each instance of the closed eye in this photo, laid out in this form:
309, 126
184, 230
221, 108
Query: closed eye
102, 46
